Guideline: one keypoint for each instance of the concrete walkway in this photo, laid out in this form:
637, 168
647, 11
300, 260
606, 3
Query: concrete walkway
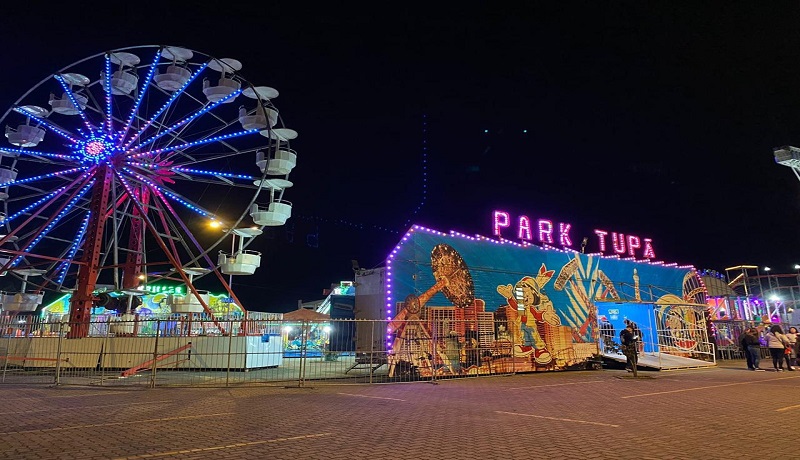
681, 414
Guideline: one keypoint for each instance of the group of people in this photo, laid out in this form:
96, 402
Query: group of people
783, 347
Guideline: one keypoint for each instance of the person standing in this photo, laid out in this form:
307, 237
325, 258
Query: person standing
792, 336
629, 341
752, 348
744, 348
777, 343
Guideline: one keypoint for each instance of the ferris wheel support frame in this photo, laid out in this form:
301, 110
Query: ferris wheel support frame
133, 261
80, 309
172, 258
221, 278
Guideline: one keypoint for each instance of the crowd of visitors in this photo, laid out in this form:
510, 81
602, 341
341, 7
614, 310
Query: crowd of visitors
782, 346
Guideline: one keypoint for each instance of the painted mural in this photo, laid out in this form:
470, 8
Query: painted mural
462, 305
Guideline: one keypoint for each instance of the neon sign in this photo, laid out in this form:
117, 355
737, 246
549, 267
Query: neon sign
546, 231
159, 289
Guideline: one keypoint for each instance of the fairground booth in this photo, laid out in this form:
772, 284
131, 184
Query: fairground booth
460, 304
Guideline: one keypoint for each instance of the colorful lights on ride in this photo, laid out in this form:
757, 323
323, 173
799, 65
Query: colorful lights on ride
95, 149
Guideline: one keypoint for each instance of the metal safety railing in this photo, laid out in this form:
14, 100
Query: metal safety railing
198, 351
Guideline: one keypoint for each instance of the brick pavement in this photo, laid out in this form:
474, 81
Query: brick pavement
722, 412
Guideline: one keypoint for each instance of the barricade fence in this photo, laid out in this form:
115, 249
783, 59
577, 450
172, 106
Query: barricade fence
261, 350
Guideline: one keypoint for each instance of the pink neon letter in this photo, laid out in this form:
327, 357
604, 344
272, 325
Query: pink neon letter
633, 244
545, 231
618, 242
563, 234
524, 232
648, 249
601, 234
501, 220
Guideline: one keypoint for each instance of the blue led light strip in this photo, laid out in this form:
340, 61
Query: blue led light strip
47, 124
142, 92
164, 107
52, 224
45, 176
108, 92
215, 173
186, 120
170, 194
37, 153
194, 144
71, 96
33, 205
76, 244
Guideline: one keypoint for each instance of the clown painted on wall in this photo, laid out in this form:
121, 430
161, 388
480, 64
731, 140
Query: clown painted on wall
530, 316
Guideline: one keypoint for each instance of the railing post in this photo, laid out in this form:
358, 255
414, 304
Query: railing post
230, 347
8, 353
371, 347
303, 352
57, 380
105, 350
155, 355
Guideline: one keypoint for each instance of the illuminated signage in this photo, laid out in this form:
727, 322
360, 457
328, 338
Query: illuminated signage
546, 231
158, 289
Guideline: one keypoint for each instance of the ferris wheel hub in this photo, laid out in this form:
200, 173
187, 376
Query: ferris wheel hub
96, 148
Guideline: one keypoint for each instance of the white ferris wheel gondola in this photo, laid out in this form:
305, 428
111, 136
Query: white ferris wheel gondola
124, 80
177, 74
225, 86
65, 105
27, 135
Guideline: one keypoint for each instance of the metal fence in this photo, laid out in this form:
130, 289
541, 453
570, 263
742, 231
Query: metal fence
197, 351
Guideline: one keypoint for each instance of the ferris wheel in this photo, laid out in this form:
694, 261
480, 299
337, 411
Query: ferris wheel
112, 168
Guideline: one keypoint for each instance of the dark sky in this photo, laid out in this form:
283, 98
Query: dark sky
656, 119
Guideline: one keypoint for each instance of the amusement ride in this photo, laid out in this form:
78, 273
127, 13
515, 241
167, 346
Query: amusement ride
108, 165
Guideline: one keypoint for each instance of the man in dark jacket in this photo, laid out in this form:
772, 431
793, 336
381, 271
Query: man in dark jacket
751, 347
630, 348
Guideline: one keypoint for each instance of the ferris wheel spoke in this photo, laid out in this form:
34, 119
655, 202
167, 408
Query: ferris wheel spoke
53, 222
166, 105
61, 270
38, 153
108, 91
185, 121
170, 228
145, 85
25, 210
174, 195
222, 177
203, 253
153, 153
68, 92
45, 176
79, 182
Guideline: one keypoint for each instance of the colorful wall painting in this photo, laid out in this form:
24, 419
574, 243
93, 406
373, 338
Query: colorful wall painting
474, 305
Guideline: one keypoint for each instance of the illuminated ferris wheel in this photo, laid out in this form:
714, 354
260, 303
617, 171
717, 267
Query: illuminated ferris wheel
112, 168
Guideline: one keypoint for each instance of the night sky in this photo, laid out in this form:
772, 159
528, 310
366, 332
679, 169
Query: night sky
652, 119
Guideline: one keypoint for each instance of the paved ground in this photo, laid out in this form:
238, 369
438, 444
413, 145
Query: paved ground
724, 412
